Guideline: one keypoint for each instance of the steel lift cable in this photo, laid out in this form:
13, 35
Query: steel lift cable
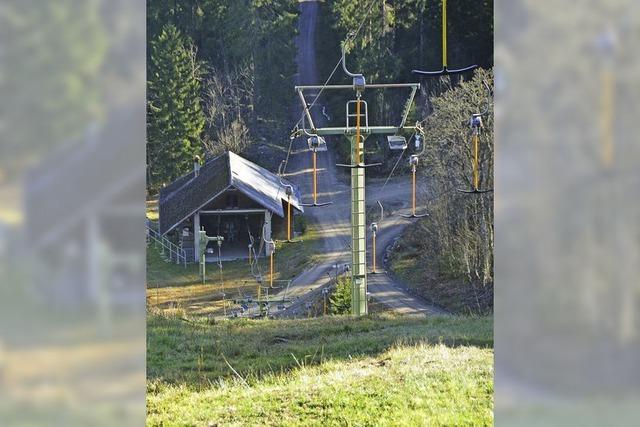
350, 38
306, 110
444, 70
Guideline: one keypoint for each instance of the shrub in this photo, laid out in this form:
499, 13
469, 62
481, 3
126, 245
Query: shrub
341, 298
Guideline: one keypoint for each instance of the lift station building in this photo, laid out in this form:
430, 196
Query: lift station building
230, 197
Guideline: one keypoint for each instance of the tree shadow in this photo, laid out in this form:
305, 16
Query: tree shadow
198, 353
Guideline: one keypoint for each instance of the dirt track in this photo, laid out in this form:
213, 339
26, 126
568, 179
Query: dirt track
333, 222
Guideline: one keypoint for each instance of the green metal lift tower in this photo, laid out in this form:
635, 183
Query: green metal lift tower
356, 130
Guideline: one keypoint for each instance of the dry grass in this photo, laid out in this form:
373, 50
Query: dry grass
173, 288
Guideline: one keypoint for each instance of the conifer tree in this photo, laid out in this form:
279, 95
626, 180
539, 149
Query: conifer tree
340, 299
175, 119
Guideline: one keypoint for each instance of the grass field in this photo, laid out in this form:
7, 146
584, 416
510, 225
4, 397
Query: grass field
175, 288
324, 371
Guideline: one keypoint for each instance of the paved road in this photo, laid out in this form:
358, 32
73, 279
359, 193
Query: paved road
333, 222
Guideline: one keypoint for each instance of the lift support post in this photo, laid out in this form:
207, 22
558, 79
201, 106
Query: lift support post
356, 136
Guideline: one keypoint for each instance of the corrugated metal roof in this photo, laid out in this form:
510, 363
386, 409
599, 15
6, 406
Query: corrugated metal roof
261, 185
189, 193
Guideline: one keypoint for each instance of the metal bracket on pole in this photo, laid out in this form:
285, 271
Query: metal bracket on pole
359, 81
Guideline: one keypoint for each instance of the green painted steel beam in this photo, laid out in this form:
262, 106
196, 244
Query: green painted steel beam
369, 86
359, 304
384, 130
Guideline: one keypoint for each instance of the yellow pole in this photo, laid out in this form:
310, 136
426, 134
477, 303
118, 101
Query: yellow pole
271, 270
358, 131
224, 304
475, 162
288, 217
374, 251
413, 192
444, 33
315, 197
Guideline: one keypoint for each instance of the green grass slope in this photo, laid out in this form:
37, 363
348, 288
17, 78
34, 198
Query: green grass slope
326, 371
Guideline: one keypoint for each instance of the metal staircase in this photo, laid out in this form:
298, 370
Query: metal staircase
170, 251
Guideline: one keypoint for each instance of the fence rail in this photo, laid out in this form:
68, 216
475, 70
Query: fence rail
173, 252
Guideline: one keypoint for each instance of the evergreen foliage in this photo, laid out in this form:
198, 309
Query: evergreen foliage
250, 46
175, 119
340, 299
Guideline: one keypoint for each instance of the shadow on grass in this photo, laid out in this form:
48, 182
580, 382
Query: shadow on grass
193, 352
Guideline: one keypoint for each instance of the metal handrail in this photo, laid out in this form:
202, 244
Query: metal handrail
180, 253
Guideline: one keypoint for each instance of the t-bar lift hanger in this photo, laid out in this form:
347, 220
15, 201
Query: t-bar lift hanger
445, 69
476, 125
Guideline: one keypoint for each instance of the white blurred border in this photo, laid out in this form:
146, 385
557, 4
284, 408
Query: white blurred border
72, 230
567, 216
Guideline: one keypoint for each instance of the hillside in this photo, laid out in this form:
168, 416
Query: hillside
324, 371
423, 274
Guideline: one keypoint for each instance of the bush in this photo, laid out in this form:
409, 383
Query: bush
300, 223
340, 299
